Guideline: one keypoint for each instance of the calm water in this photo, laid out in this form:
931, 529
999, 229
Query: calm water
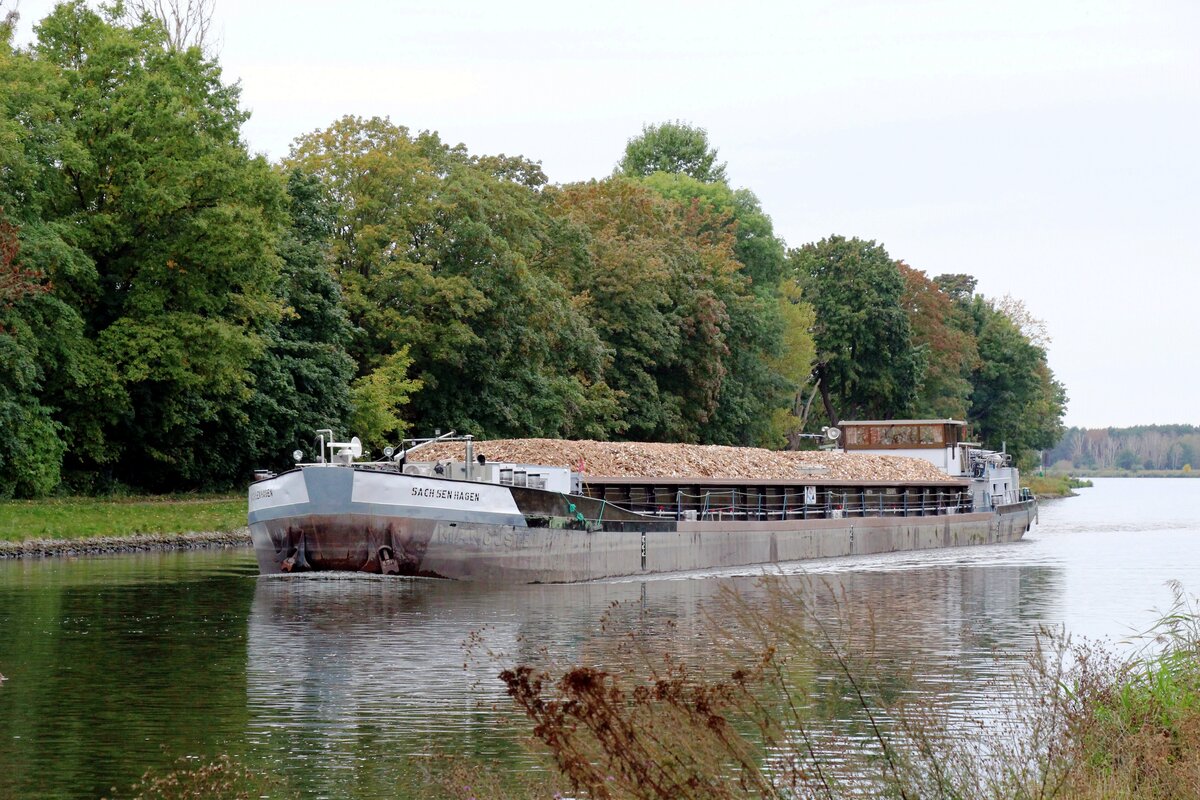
117, 665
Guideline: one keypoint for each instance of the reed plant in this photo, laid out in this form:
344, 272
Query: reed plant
1076, 720
1137, 733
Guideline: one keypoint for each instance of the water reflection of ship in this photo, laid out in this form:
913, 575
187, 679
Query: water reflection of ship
349, 671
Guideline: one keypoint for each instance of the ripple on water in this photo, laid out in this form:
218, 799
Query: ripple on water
338, 679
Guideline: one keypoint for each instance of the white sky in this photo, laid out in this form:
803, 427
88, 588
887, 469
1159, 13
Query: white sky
1050, 149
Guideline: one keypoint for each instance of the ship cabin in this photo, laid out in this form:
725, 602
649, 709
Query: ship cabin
942, 442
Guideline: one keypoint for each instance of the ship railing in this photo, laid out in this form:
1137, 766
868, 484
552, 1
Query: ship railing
737, 504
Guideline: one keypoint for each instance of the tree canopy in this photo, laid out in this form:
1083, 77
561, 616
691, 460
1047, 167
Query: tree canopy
1015, 400
175, 310
155, 234
942, 328
866, 365
673, 147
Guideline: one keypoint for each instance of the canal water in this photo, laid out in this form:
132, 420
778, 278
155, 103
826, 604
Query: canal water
342, 686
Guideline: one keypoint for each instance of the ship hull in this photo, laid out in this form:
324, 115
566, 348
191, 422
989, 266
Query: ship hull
337, 518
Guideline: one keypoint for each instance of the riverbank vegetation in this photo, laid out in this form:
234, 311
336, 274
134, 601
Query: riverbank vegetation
1053, 484
175, 310
86, 518
1137, 473
1078, 721
1153, 450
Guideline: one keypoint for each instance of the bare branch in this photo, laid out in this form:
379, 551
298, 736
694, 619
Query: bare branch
10, 15
187, 22
1034, 329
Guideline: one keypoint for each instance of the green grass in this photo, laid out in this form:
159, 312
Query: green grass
1052, 485
87, 517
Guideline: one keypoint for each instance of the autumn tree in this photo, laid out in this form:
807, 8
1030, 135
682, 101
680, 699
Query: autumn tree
942, 328
16, 280
656, 281
754, 390
738, 212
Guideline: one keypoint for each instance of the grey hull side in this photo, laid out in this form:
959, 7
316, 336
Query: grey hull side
424, 542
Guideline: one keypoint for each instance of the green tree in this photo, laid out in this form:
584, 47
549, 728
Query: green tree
384, 188
1015, 400
866, 364
379, 399
302, 378
49, 370
794, 364
176, 225
454, 258
959, 287
672, 147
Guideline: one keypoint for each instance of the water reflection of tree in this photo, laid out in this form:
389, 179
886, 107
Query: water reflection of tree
362, 677
116, 666
831, 677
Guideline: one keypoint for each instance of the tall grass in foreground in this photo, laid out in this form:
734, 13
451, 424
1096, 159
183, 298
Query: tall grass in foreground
1076, 722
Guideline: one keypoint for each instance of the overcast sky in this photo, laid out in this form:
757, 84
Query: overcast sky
1050, 149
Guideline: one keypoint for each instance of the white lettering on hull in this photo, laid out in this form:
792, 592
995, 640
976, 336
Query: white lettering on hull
284, 490
445, 494
408, 490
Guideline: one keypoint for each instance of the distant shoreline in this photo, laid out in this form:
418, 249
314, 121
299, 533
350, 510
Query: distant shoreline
1141, 473
132, 543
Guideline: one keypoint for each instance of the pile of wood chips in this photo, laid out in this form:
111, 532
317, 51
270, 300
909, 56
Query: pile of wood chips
646, 460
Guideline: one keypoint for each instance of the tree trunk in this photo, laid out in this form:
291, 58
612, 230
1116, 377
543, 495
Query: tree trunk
826, 401
801, 409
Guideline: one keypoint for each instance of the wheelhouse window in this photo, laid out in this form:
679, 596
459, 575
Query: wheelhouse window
900, 436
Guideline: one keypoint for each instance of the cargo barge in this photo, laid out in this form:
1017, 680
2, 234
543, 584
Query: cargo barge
477, 519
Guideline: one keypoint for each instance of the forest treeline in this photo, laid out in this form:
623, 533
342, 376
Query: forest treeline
175, 310
1167, 447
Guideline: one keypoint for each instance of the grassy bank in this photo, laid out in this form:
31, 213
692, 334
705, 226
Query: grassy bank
1139, 473
1053, 485
77, 518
